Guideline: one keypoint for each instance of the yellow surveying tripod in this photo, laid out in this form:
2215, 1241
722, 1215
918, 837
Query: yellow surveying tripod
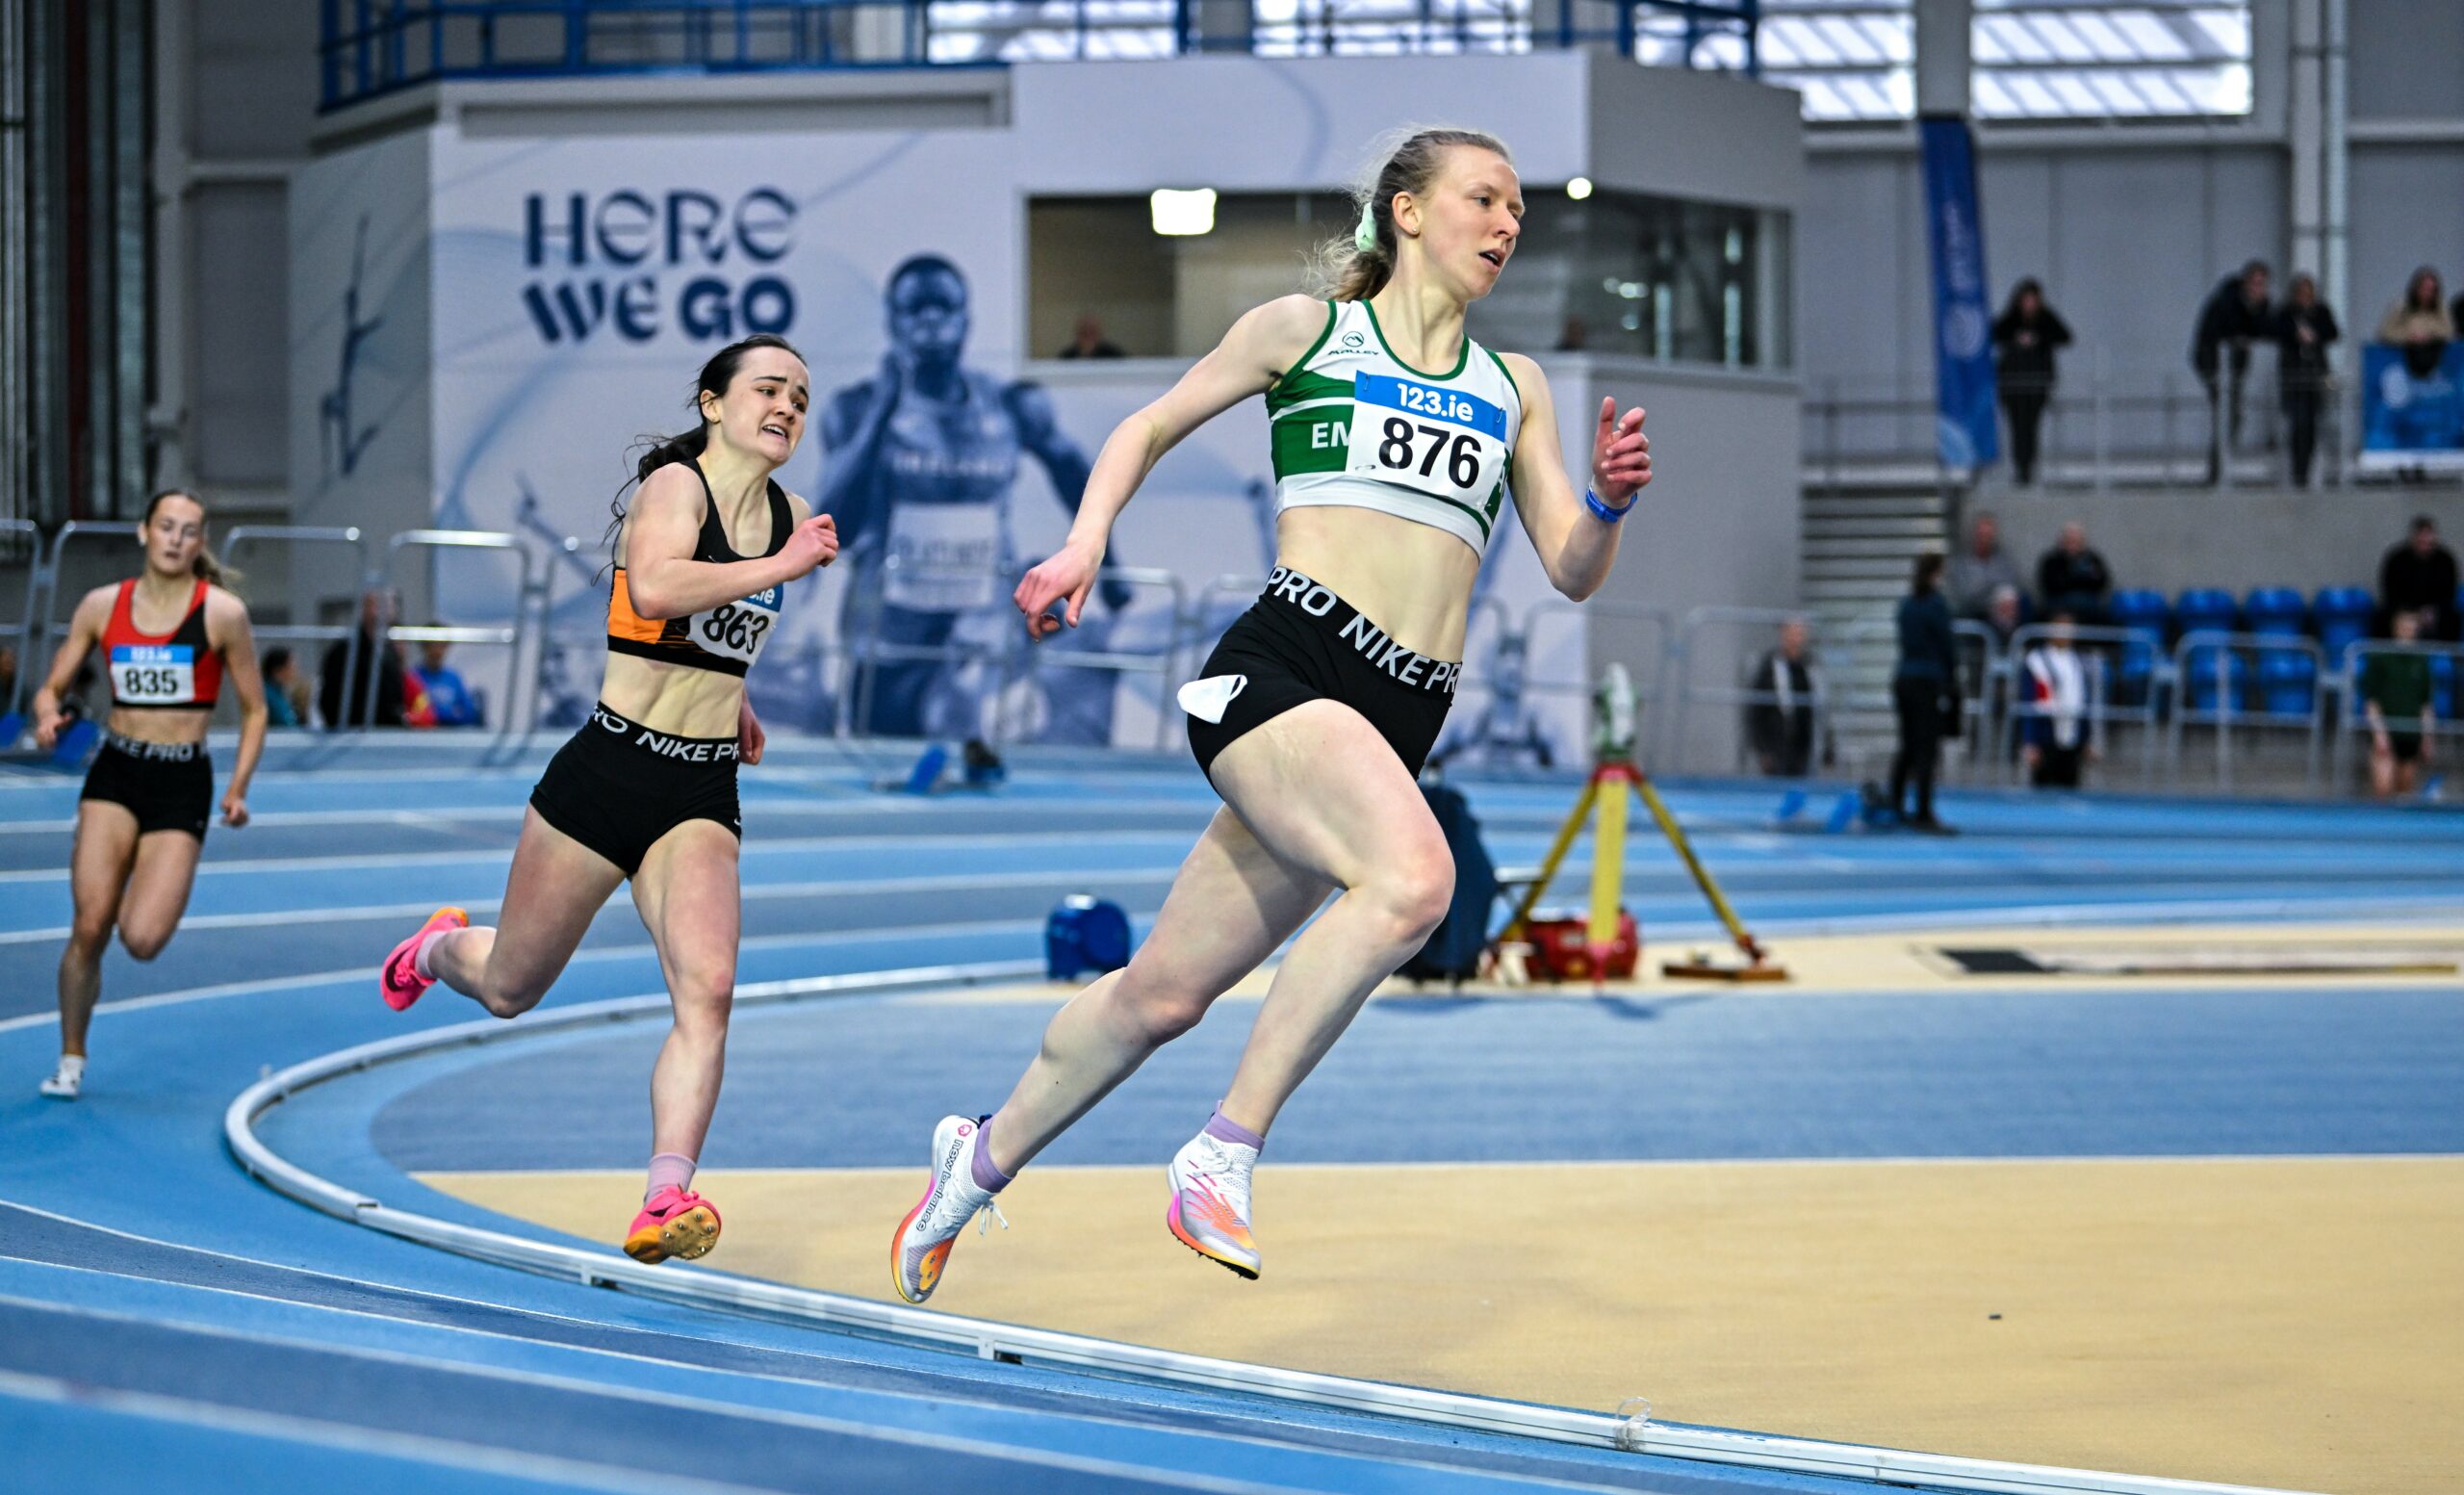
1613, 775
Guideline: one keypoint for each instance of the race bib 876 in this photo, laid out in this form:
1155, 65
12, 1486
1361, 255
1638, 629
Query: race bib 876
1440, 441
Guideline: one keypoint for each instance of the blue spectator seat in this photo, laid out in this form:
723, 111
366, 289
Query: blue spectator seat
2203, 607
2273, 610
2146, 615
2442, 686
2288, 681
2344, 615
2200, 680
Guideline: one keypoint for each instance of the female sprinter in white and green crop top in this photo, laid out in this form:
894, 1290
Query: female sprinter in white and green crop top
1395, 441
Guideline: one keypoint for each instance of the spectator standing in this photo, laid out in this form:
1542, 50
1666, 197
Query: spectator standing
2060, 732
2234, 316
1924, 690
1983, 566
2419, 576
1781, 719
450, 701
2073, 578
2004, 614
285, 693
2396, 697
1088, 341
2305, 326
2419, 324
2024, 339
377, 653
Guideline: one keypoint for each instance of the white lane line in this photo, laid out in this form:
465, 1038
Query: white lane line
344, 1438
752, 892
1061, 833
367, 973
664, 1400
760, 808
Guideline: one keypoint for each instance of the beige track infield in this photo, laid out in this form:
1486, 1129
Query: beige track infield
2285, 1321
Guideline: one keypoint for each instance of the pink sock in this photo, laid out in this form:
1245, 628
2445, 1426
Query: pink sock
419, 956
668, 1167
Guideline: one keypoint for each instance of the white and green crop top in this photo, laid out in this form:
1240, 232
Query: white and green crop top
1355, 427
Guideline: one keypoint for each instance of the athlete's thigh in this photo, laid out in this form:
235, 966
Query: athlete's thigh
1231, 904
159, 883
1324, 792
98, 865
555, 887
687, 894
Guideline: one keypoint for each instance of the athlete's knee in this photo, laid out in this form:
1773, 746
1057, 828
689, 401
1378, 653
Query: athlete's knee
702, 1004
143, 945
90, 933
1157, 1007
1414, 894
509, 1000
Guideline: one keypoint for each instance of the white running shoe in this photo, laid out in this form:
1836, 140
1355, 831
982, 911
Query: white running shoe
63, 1084
1210, 1210
922, 1241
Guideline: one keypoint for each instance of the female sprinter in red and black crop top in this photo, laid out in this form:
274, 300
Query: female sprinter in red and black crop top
646, 791
168, 634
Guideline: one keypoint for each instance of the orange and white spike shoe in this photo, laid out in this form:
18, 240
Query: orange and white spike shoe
672, 1223
1210, 1209
921, 1244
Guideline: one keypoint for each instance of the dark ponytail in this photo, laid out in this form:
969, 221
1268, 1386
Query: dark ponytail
688, 446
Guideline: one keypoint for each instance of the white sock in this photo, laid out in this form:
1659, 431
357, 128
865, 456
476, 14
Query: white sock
71, 1067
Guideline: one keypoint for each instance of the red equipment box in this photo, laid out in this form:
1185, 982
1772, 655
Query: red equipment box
1560, 952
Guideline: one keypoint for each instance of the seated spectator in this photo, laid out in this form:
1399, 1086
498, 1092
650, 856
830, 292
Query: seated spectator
2419, 576
2234, 316
2073, 578
2419, 323
2004, 614
1090, 342
2396, 698
1982, 567
2024, 339
448, 701
1780, 720
8, 676
2059, 727
2304, 329
285, 693
375, 616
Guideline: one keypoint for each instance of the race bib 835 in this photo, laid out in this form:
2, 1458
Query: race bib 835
154, 674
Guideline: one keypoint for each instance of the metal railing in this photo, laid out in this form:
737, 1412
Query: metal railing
2100, 431
296, 537
22, 532
2144, 714
2218, 674
1732, 692
531, 590
369, 48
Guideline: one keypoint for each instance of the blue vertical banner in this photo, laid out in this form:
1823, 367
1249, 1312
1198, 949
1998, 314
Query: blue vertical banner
1963, 422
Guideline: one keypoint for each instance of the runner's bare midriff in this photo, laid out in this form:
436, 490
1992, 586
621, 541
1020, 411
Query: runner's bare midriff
1413, 580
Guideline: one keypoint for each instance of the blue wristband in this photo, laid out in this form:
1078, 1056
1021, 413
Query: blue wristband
1607, 515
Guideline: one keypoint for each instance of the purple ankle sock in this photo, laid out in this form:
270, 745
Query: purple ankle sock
1223, 1128
668, 1167
988, 1178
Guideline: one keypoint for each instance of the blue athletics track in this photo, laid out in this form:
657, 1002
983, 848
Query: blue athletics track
2112, 1135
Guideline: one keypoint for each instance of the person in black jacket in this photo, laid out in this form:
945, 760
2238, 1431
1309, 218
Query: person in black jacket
1781, 718
2234, 316
1924, 690
2072, 578
376, 612
2304, 329
2419, 576
2024, 338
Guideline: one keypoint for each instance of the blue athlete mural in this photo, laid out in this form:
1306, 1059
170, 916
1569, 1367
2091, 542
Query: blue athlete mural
919, 464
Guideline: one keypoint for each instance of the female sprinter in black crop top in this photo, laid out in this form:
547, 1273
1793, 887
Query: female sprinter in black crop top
168, 634
646, 790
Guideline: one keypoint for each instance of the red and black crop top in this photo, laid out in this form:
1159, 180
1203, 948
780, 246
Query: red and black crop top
176, 671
